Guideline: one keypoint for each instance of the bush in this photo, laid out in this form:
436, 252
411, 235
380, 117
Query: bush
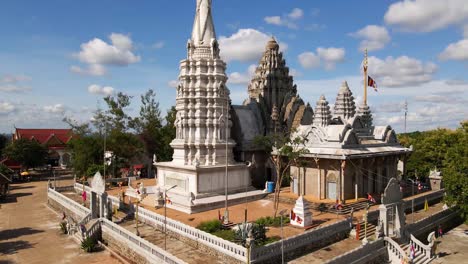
272, 221
210, 226
258, 234
226, 234
89, 244
63, 227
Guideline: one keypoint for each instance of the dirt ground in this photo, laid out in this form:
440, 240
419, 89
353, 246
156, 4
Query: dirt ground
453, 246
29, 231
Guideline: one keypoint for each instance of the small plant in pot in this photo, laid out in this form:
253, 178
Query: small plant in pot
89, 244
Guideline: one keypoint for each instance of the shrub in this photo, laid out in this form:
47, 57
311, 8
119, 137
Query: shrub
258, 233
63, 227
226, 234
210, 226
272, 221
88, 244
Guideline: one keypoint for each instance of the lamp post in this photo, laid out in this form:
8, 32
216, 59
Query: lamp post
364, 241
281, 213
165, 215
136, 217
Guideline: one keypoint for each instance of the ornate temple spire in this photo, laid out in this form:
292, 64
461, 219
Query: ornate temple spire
366, 115
203, 43
322, 115
344, 105
203, 28
271, 80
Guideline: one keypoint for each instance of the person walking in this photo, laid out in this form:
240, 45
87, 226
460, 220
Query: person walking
441, 234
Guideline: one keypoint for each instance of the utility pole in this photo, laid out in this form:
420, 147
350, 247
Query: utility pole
406, 113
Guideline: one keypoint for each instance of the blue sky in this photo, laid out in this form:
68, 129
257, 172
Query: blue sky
59, 58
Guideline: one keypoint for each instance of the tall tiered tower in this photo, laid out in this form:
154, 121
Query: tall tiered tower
344, 104
203, 164
322, 112
272, 87
202, 103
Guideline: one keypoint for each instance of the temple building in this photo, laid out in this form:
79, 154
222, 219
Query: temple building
348, 157
273, 106
203, 166
55, 140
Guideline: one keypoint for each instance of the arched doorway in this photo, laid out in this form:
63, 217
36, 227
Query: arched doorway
331, 186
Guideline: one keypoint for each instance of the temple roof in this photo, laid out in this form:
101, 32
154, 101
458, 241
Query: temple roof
322, 112
45, 136
344, 104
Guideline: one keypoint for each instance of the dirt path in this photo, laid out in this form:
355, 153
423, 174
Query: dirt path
29, 231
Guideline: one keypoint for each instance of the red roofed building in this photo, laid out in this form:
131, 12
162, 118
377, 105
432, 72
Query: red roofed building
54, 139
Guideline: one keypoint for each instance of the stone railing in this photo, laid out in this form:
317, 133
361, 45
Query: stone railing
421, 249
94, 229
142, 247
420, 200
226, 247
395, 253
362, 254
290, 244
79, 188
86, 219
68, 203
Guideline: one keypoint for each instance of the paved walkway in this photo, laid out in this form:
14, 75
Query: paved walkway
29, 231
453, 246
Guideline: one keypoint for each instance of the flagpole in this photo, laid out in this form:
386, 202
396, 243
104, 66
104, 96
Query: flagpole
365, 77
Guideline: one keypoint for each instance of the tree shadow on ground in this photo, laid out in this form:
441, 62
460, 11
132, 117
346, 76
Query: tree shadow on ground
10, 248
20, 187
13, 198
7, 262
443, 254
17, 232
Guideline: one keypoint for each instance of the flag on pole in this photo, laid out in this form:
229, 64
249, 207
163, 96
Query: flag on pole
371, 83
412, 252
168, 201
426, 205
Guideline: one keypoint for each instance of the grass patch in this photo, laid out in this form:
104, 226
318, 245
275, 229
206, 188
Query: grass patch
272, 221
210, 226
226, 234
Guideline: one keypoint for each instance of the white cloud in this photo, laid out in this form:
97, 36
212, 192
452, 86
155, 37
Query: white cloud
100, 90
286, 20
309, 60
373, 37
273, 20
465, 31
456, 51
96, 53
158, 45
12, 83
296, 13
426, 15
242, 78
328, 56
401, 71
245, 45
6, 108
55, 109
93, 69
173, 83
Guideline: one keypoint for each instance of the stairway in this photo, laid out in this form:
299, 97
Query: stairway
419, 258
348, 207
371, 230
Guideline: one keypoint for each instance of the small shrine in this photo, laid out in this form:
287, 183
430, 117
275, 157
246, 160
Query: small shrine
301, 214
435, 177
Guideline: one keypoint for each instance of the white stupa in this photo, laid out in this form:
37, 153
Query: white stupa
301, 214
203, 144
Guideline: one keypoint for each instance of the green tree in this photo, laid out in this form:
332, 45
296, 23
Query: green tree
29, 153
87, 150
284, 151
455, 171
148, 125
3, 143
169, 133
